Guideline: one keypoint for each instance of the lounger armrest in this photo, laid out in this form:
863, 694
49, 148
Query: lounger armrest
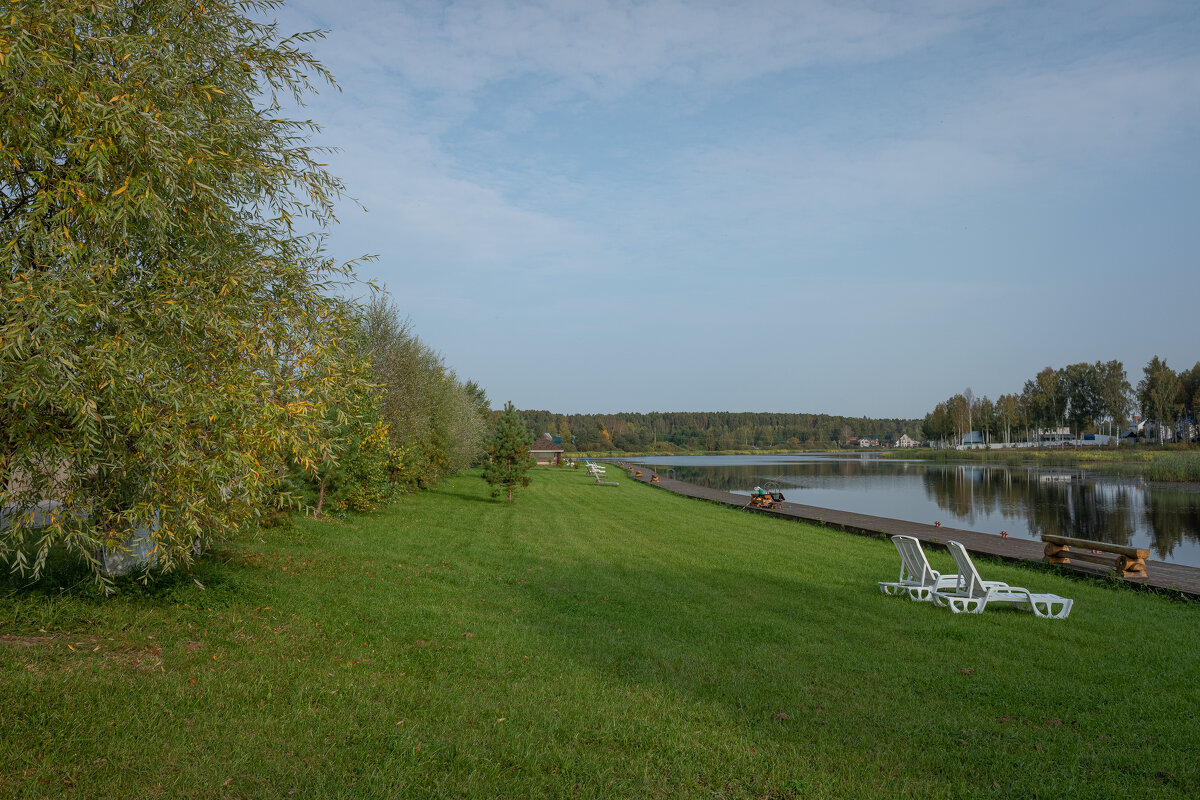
1004, 590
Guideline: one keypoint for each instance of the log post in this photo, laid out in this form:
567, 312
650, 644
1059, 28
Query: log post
1131, 567
1057, 553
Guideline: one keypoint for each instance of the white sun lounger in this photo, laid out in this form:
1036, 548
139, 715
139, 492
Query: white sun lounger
917, 578
972, 594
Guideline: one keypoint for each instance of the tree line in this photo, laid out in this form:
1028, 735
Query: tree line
710, 431
408, 425
177, 354
1083, 398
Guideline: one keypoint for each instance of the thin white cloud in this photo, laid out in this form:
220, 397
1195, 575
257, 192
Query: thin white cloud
607, 48
1092, 109
414, 203
828, 184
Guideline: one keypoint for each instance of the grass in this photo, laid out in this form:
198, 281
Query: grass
1177, 467
590, 642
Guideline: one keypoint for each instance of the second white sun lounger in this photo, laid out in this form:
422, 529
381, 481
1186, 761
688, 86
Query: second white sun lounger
971, 593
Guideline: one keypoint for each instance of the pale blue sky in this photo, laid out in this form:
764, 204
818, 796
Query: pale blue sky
845, 208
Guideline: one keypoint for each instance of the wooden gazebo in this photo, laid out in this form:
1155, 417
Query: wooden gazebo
545, 451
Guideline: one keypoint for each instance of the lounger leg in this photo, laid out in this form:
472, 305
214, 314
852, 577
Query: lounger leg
1065, 609
968, 605
1046, 608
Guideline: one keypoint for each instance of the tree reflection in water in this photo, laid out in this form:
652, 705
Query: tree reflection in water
1025, 502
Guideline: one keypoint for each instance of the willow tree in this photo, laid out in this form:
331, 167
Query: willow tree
163, 317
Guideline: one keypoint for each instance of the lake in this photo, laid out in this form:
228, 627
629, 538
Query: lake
1024, 501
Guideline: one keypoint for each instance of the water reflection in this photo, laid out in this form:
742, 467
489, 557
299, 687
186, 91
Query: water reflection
1026, 502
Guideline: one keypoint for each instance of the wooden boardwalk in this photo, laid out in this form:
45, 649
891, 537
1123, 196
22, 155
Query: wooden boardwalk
1159, 574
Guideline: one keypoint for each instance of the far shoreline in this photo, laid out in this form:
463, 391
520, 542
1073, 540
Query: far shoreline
1173, 464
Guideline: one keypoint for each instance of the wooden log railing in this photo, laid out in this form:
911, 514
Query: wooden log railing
1129, 562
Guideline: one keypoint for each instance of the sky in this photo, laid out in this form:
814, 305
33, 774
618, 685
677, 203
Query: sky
851, 208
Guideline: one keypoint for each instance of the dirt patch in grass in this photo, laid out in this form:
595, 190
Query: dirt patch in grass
24, 641
84, 652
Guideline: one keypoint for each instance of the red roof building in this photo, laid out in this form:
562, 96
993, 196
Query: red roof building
545, 451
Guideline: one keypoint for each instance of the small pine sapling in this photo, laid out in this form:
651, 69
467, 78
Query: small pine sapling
509, 459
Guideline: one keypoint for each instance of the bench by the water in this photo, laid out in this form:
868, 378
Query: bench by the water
1129, 562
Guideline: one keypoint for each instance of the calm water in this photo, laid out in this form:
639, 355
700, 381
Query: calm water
1026, 502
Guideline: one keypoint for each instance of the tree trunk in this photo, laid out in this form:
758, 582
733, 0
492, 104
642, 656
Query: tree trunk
320, 498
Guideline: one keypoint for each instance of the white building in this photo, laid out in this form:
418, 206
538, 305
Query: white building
1054, 435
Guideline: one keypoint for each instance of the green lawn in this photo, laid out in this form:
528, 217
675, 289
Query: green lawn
587, 641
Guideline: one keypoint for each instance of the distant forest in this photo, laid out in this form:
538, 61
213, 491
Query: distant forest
711, 430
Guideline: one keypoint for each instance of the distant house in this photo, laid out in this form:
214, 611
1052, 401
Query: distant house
907, 441
1151, 429
1098, 438
1057, 435
867, 441
545, 451
974, 437
1163, 432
